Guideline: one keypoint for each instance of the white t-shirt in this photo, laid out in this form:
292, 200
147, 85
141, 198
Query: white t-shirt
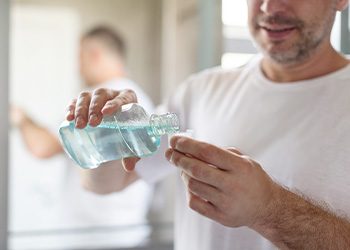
298, 132
80, 208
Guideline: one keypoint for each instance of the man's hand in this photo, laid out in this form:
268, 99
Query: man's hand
90, 107
232, 189
223, 184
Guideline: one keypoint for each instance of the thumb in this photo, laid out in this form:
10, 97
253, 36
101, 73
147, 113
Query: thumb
234, 150
129, 163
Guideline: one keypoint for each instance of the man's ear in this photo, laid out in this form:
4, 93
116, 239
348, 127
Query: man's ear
342, 4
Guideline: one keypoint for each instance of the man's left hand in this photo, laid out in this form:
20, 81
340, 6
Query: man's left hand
223, 184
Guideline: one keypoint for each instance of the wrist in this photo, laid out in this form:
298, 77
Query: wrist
264, 223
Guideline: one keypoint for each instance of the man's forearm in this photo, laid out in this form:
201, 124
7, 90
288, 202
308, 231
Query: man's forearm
296, 223
108, 178
40, 141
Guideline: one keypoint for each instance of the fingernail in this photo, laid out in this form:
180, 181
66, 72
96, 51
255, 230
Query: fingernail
78, 122
168, 154
93, 118
173, 141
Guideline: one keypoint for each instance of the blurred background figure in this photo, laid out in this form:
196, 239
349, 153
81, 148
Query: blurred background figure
102, 64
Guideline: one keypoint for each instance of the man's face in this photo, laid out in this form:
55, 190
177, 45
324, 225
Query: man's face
85, 63
289, 31
90, 62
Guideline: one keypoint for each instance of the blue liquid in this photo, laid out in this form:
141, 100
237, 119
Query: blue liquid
90, 147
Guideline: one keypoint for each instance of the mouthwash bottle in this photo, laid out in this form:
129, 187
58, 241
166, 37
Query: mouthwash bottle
128, 133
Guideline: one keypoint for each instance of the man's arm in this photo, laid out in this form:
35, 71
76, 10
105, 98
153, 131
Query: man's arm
234, 190
108, 178
39, 140
297, 223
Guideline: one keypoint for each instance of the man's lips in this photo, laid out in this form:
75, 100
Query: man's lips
276, 32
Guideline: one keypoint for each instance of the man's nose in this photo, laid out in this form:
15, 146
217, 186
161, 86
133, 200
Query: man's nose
271, 7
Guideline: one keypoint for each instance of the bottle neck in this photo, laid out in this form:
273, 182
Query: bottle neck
165, 124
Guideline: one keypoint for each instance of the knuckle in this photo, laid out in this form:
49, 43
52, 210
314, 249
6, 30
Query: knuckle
124, 99
84, 94
81, 110
205, 151
196, 171
94, 107
191, 185
176, 158
100, 91
131, 93
111, 102
234, 150
249, 166
182, 142
127, 98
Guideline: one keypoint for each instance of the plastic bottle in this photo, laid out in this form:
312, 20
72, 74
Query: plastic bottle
128, 133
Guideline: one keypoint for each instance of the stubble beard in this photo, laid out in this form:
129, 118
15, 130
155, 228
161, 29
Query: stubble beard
311, 36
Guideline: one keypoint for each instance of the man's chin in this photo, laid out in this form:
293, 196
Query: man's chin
284, 58
281, 54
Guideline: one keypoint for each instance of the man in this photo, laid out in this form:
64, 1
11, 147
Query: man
102, 63
287, 110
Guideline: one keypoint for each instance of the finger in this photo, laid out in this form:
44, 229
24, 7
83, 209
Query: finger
124, 97
71, 110
129, 163
82, 109
202, 207
98, 100
211, 154
202, 190
195, 168
234, 150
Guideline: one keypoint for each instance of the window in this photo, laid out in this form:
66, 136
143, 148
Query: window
238, 48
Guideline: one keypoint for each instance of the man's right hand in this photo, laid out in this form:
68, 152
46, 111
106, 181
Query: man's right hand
90, 107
